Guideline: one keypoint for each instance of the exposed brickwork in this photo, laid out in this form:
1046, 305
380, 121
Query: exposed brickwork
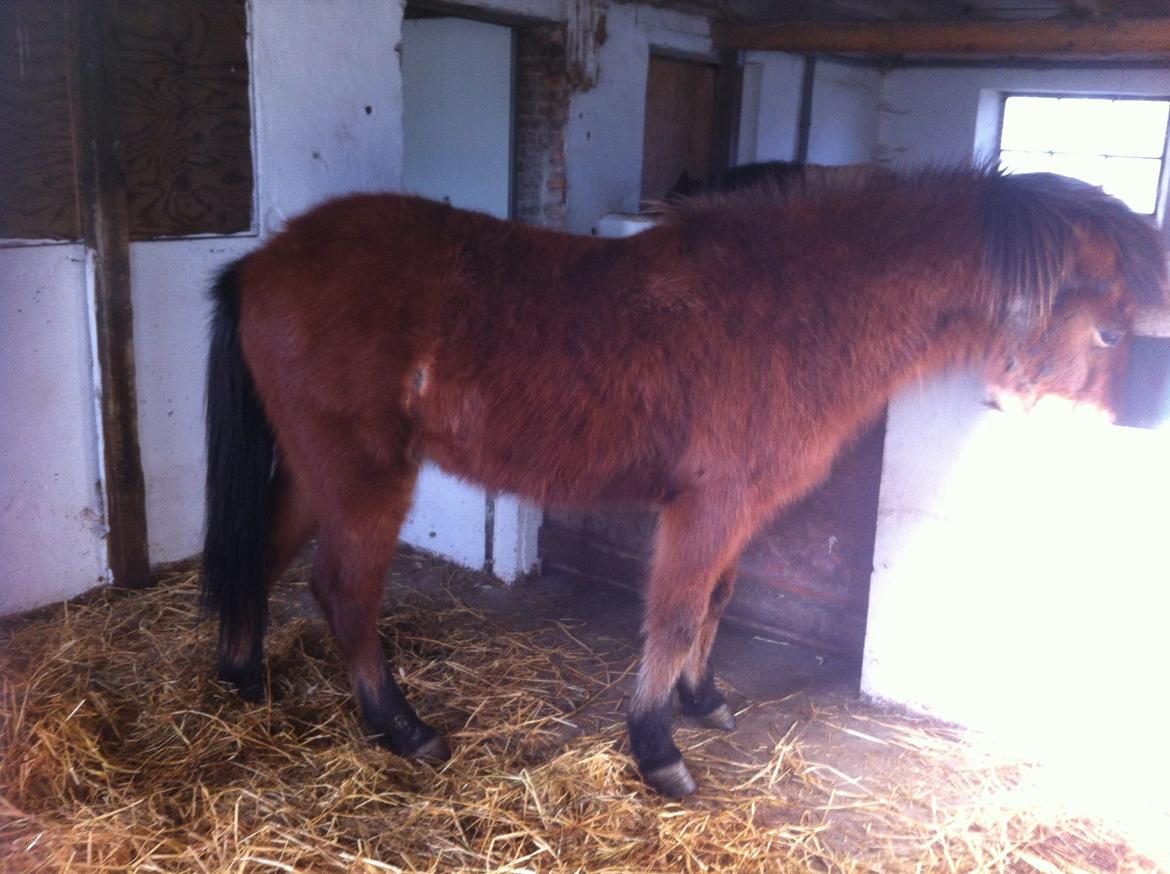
539, 184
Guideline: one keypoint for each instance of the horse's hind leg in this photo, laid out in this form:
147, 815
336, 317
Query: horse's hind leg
698, 697
241, 644
697, 539
353, 553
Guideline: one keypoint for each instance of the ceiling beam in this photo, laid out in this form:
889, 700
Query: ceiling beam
1021, 38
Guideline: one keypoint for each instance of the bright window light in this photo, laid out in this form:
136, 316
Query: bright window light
1116, 144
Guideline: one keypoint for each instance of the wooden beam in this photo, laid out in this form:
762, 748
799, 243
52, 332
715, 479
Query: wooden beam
1019, 38
105, 230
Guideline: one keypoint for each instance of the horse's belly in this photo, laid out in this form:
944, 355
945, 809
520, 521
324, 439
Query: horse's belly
548, 463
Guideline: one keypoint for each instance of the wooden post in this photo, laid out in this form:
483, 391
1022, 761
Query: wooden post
1023, 38
105, 230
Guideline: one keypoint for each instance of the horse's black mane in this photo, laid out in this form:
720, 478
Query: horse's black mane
1032, 224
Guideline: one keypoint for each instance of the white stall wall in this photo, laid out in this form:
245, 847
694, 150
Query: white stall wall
844, 127
1018, 560
1021, 561
844, 124
52, 521
171, 315
315, 68
933, 114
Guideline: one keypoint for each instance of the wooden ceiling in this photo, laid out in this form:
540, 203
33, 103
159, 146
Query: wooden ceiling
1081, 30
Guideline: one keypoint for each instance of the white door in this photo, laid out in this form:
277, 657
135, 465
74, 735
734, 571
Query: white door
457, 112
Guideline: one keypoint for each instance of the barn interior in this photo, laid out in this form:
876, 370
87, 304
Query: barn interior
949, 657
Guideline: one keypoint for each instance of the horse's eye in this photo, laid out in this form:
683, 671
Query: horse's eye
1108, 337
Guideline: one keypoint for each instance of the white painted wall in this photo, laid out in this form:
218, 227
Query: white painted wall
315, 67
313, 139
844, 123
52, 528
844, 127
935, 114
1021, 563
1010, 551
171, 314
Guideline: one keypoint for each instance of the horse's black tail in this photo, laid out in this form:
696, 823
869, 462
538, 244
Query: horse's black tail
241, 452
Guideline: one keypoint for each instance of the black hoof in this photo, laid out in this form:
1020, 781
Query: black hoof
248, 683
673, 780
433, 750
721, 718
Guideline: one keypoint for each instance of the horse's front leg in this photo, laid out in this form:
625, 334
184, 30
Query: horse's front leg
698, 538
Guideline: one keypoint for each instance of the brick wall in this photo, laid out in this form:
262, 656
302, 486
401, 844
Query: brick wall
539, 186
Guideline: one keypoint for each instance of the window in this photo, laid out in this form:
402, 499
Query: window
1116, 143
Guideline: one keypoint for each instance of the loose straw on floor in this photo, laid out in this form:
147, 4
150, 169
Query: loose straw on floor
120, 753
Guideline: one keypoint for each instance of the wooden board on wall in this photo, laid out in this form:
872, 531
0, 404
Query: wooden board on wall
184, 110
38, 176
803, 578
680, 123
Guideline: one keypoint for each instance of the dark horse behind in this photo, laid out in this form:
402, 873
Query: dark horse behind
710, 367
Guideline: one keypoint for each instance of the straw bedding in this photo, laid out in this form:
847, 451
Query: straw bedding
119, 753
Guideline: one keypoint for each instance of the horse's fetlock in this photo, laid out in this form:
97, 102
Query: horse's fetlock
701, 698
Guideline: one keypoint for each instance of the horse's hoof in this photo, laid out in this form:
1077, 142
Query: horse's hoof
673, 780
434, 750
249, 685
721, 718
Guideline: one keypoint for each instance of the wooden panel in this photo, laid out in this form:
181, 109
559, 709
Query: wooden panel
184, 111
680, 117
38, 180
803, 578
181, 70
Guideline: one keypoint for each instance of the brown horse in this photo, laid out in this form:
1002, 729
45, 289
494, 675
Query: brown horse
710, 367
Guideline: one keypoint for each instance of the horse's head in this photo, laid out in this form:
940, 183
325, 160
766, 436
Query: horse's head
1085, 262
1079, 356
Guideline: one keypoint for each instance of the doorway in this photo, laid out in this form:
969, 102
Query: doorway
457, 112
680, 124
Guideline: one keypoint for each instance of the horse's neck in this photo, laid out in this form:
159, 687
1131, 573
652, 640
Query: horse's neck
901, 320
